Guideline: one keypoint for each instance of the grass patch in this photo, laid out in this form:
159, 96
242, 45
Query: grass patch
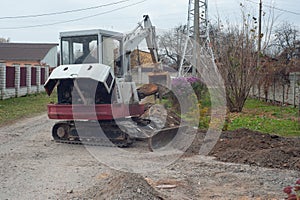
16, 108
282, 112
266, 118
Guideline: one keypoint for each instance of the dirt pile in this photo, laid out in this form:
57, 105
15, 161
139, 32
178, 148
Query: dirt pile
122, 186
255, 148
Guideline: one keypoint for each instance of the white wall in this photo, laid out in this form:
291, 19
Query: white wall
51, 57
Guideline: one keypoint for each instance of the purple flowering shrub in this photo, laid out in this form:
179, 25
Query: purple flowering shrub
293, 192
186, 85
191, 89
182, 95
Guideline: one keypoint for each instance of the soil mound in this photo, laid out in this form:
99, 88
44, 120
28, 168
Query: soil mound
123, 186
255, 148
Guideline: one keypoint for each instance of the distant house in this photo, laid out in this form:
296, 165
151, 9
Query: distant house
143, 67
28, 54
139, 57
24, 67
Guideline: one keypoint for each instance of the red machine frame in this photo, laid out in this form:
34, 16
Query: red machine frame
93, 112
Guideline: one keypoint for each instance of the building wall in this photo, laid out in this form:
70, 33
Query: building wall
51, 58
22, 63
140, 75
144, 57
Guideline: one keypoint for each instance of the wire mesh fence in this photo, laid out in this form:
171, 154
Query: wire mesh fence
281, 90
278, 89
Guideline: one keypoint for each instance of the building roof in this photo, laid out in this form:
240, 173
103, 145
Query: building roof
150, 67
24, 51
169, 69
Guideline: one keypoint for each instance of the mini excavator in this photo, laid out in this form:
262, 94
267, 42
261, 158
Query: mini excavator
95, 88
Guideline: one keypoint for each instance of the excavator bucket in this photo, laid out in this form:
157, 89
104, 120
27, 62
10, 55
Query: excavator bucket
164, 137
147, 90
164, 126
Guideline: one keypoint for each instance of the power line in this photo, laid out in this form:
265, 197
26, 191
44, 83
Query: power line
280, 9
74, 20
62, 12
283, 10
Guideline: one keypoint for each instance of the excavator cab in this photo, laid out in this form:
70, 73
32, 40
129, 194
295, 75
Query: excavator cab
91, 47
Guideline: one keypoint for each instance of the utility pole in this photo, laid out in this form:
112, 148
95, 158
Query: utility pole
259, 41
259, 33
196, 35
197, 29
196, 22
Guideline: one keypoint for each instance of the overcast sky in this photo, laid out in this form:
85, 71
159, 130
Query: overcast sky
122, 16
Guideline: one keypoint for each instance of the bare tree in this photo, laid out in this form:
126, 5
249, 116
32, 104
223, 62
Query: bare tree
171, 44
283, 55
236, 58
286, 41
235, 49
4, 40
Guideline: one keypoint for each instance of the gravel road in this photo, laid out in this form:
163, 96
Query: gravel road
32, 166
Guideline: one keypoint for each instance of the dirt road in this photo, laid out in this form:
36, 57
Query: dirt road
32, 166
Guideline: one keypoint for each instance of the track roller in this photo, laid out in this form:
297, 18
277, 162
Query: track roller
60, 131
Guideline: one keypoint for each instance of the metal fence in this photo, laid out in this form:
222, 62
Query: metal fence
18, 81
284, 90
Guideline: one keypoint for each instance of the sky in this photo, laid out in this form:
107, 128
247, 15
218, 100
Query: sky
118, 15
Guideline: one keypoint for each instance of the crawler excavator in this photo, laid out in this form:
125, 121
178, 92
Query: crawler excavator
98, 103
